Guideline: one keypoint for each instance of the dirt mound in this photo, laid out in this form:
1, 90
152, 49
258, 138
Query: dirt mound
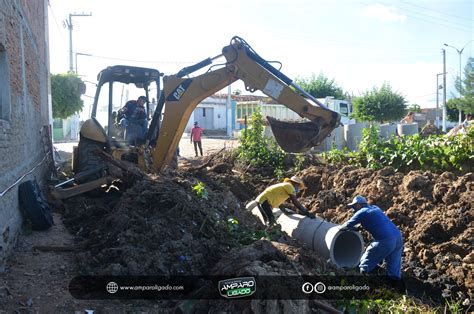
434, 213
265, 258
158, 227
429, 129
162, 227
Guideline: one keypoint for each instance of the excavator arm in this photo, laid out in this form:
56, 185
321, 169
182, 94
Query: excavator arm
182, 95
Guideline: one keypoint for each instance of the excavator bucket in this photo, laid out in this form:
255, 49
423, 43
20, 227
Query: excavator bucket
296, 137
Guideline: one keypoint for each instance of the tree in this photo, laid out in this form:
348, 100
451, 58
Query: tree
466, 89
414, 108
379, 104
321, 86
66, 90
452, 113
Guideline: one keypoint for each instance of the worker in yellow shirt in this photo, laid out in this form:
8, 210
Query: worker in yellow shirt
275, 195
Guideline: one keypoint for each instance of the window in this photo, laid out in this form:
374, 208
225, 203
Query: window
343, 109
5, 100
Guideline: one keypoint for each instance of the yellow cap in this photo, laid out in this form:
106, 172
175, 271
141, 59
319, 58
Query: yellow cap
296, 180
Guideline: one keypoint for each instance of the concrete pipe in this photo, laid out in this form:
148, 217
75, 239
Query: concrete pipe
343, 248
407, 129
388, 130
353, 134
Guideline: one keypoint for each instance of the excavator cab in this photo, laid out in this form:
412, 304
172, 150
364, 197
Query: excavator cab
118, 84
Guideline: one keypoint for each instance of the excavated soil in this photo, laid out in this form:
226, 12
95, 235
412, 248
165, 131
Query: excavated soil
160, 226
433, 211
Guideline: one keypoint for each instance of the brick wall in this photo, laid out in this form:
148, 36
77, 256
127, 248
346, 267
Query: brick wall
25, 69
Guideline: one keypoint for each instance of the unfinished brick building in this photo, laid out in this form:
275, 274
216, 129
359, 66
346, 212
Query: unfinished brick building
24, 107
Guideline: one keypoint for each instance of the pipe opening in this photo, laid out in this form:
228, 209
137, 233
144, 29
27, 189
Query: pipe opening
347, 249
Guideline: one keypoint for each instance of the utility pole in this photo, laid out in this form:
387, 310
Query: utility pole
229, 112
70, 27
460, 72
437, 100
444, 90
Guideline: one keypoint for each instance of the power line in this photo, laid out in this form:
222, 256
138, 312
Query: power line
438, 18
141, 61
56, 22
442, 24
449, 24
439, 12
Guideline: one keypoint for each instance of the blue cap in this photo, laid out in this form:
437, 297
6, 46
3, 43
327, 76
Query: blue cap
359, 199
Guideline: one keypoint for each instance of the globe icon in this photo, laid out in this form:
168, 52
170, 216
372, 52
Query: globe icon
112, 287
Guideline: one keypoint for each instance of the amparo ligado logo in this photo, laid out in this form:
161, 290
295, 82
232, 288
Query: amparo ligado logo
237, 287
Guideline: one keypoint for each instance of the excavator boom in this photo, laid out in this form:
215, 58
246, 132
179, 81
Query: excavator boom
182, 95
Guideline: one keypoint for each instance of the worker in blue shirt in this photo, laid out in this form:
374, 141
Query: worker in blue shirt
133, 118
388, 242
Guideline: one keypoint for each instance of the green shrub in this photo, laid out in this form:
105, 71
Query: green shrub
436, 153
200, 190
257, 150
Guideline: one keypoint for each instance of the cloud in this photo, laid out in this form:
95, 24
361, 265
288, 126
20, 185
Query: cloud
383, 13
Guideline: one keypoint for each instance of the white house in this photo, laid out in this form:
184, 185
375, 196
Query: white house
211, 114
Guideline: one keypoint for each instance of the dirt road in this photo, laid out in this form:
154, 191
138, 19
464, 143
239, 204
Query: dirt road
209, 145
186, 148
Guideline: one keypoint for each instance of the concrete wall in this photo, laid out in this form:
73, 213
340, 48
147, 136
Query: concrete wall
24, 105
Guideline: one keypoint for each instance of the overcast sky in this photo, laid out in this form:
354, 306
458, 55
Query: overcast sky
359, 43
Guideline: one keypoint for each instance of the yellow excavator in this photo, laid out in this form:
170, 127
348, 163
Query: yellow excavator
176, 101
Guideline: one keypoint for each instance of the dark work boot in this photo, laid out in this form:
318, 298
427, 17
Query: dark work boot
264, 215
270, 217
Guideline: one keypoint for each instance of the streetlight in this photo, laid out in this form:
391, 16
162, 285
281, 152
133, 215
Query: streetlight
80, 54
460, 72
